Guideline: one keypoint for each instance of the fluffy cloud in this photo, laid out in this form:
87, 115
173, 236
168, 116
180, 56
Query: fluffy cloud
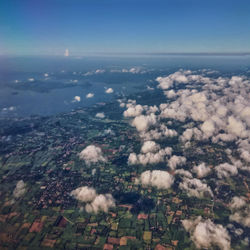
151, 109
100, 71
77, 98
227, 111
150, 146
190, 133
184, 173
242, 216
190, 104
144, 159
132, 159
84, 194
201, 170
187, 135
217, 109
206, 234
194, 187
156, 178
241, 211
133, 111
244, 149
143, 122
245, 114
11, 108
236, 80
170, 94
236, 127
183, 77
175, 161
146, 121
167, 82
245, 155
158, 133
223, 137
225, 170
237, 202
89, 95
100, 115
109, 91
149, 157
95, 203
91, 154
101, 202
208, 128
95, 72
149, 88
19, 189
133, 70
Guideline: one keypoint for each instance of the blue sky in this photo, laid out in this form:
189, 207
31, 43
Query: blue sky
48, 27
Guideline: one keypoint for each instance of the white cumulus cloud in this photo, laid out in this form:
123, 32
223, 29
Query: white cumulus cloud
225, 170
89, 95
102, 202
205, 234
100, 115
95, 203
175, 161
84, 194
157, 178
143, 122
109, 91
150, 146
195, 187
77, 98
201, 170
19, 189
92, 154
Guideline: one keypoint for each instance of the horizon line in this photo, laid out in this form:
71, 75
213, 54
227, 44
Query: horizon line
135, 53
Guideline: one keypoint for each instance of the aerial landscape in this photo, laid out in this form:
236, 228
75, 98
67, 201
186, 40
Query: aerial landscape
125, 124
